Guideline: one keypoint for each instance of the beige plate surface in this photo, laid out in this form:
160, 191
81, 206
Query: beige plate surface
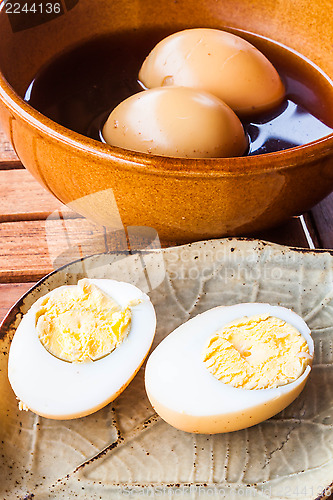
124, 449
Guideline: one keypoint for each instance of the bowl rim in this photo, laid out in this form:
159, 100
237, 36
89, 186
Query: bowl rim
157, 164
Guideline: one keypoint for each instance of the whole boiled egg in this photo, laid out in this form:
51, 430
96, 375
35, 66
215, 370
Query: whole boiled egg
229, 368
218, 62
178, 122
79, 346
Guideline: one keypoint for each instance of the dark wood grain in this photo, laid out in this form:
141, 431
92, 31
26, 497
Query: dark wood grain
322, 216
10, 165
290, 233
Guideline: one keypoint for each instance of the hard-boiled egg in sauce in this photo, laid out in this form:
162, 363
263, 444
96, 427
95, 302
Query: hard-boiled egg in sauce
178, 122
218, 62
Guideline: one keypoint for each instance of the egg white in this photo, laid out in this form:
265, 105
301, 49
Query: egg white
190, 398
58, 389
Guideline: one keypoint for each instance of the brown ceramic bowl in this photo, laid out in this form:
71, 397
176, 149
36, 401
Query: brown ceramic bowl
182, 199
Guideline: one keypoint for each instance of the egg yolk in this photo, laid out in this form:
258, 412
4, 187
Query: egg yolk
257, 352
81, 323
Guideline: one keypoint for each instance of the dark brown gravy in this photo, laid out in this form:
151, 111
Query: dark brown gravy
79, 88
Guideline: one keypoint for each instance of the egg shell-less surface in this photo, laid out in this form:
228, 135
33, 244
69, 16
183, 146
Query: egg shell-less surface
58, 389
187, 396
218, 62
178, 122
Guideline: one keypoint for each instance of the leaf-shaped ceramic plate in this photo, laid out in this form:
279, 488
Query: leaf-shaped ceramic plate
124, 449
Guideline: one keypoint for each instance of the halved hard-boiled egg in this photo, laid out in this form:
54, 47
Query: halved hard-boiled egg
229, 368
178, 122
79, 346
218, 62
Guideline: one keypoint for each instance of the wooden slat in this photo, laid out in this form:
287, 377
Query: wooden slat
23, 198
45, 245
6, 151
322, 215
9, 294
31, 249
10, 164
